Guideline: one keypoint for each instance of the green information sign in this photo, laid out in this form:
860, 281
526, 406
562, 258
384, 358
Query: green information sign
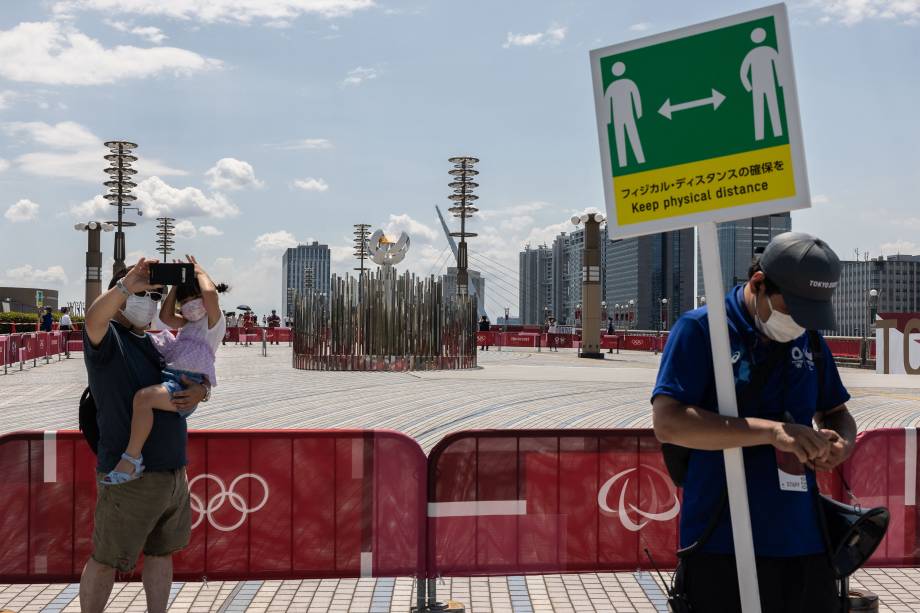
39, 298
700, 124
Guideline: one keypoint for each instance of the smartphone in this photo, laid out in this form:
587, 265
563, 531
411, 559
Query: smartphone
171, 274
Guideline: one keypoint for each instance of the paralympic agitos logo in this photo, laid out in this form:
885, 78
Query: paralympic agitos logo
653, 510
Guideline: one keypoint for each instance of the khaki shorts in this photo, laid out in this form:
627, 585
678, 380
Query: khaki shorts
150, 514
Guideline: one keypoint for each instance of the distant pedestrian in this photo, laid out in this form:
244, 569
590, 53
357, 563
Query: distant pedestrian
551, 334
65, 327
611, 331
274, 322
485, 326
47, 322
248, 323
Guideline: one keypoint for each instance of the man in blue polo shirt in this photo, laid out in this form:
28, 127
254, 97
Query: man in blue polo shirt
785, 428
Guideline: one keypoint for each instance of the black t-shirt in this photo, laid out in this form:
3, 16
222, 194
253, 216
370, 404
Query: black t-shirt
114, 378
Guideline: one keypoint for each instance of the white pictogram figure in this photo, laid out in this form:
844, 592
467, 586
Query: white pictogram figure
225, 494
625, 105
621, 511
765, 73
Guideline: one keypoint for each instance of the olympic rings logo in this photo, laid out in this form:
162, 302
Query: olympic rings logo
225, 494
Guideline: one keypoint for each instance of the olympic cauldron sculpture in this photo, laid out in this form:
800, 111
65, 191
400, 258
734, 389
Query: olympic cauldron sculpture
383, 321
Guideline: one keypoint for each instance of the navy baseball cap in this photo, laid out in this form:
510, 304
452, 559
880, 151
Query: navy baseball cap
807, 272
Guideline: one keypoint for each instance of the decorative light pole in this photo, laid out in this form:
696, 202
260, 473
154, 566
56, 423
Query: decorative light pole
166, 231
93, 258
362, 233
463, 185
591, 285
664, 314
120, 186
632, 316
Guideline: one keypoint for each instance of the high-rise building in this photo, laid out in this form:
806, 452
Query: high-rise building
294, 276
648, 269
475, 279
895, 278
535, 293
739, 240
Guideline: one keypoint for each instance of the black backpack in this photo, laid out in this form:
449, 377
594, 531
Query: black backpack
88, 425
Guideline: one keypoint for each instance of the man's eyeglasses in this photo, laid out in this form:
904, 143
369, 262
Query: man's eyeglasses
155, 295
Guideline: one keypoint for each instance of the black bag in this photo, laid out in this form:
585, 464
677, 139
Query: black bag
851, 534
88, 425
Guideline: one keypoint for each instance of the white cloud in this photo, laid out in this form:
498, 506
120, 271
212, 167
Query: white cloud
275, 241
210, 11
311, 185
36, 277
56, 53
150, 33
79, 154
233, 174
91, 210
551, 36
4, 165
157, 199
900, 247
185, 229
851, 12
642, 26
23, 210
306, 143
414, 228
359, 75
210, 231
820, 199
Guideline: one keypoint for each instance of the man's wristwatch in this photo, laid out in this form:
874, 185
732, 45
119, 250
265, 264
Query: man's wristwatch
120, 284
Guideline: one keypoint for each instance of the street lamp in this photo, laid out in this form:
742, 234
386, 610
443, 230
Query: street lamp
166, 233
463, 198
664, 313
590, 283
120, 173
93, 257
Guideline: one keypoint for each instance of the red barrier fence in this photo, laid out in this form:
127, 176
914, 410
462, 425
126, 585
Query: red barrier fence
531, 501
268, 504
291, 504
21, 347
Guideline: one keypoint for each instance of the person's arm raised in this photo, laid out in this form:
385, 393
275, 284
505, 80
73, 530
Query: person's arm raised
107, 305
208, 293
168, 311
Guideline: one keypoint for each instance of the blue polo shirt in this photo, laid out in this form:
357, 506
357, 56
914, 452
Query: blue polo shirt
784, 522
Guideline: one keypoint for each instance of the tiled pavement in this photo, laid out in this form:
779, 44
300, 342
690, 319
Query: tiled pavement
898, 589
511, 389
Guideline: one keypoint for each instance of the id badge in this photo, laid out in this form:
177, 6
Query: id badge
791, 472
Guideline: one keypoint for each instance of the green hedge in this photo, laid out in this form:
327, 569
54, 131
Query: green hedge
27, 318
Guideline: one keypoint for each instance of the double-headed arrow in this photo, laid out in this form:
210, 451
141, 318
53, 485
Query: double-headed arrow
715, 100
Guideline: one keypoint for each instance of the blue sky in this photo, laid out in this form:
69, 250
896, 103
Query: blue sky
262, 123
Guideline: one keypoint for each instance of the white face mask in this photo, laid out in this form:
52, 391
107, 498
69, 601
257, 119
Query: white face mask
193, 310
139, 311
779, 327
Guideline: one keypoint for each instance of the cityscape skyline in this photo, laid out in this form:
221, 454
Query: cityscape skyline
262, 129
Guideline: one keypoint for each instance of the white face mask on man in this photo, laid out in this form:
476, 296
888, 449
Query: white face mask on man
780, 327
139, 310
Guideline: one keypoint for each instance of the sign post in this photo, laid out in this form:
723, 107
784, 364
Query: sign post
39, 298
696, 126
